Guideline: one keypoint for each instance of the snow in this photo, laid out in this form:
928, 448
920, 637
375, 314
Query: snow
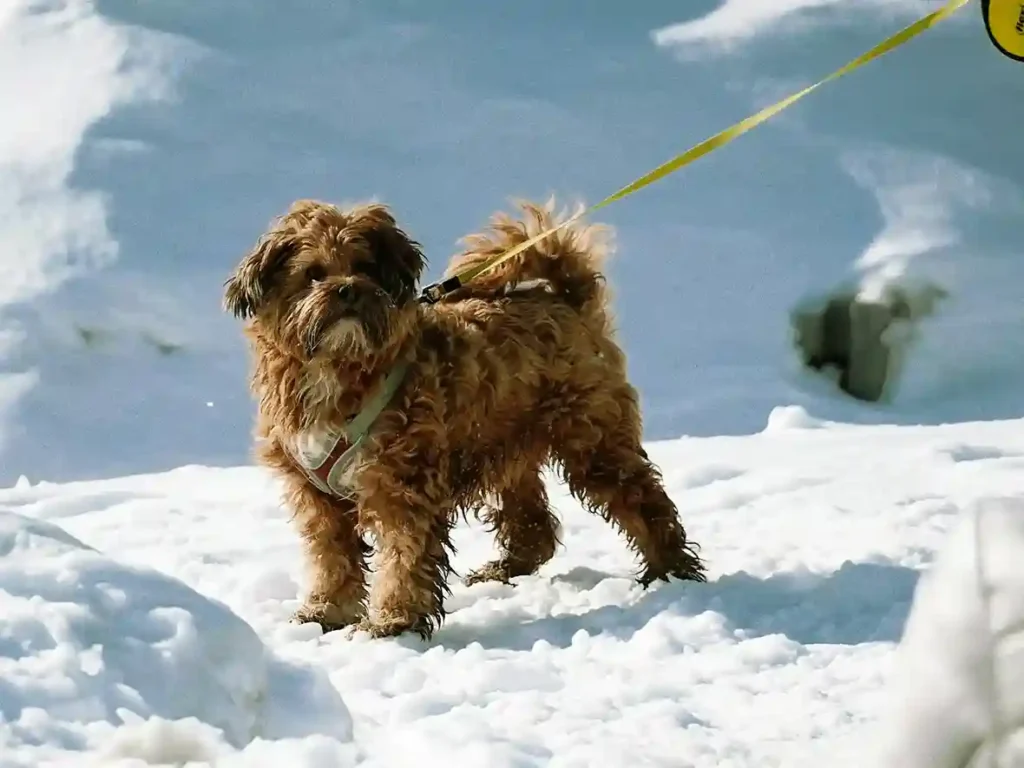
144, 618
735, 22
171, 638
962, 636
123, 661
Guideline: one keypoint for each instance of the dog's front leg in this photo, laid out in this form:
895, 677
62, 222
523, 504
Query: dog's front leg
413, 529
335, 554
335, 550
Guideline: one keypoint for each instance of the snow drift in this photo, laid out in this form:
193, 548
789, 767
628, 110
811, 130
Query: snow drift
114, 661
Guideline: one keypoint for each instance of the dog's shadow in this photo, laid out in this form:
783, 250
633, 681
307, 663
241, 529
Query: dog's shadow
858, 603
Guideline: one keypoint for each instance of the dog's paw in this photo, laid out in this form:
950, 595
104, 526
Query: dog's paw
330, 617
393, 626
496, 570
687, 566
502, 571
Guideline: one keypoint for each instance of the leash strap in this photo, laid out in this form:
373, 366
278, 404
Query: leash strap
436, 291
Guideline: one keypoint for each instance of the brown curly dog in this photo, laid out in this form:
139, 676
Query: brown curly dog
468, 400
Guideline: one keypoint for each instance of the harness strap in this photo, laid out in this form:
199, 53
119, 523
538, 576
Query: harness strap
325, 457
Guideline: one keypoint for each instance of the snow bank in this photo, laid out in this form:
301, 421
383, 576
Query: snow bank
63, 67
956, 690
815, 534
116, 661
920, 262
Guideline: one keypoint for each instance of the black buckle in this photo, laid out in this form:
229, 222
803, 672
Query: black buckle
434, 292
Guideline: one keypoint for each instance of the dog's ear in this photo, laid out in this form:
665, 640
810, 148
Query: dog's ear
247, 289
399, 258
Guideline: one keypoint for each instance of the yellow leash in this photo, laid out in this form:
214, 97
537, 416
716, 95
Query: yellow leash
436, 291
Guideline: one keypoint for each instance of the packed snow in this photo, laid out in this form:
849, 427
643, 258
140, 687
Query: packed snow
146, 618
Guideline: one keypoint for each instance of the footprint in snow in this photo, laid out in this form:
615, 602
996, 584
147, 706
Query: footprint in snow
582, 578
961, 453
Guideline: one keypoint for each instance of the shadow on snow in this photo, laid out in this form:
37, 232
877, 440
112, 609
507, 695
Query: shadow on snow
858, 603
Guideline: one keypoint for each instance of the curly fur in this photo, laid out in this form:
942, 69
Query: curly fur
514, 372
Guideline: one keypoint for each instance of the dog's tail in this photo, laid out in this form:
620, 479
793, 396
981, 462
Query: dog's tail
568, 263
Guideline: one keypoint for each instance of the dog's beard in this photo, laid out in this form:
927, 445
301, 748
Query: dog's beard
344, 335
324, 324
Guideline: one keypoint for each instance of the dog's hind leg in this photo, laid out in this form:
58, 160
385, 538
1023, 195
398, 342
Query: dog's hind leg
608, 470
526, 530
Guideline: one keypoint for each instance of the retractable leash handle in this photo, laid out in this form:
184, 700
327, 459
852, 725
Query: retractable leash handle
1004, 23
434, 292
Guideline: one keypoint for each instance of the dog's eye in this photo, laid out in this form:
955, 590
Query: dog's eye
315, 273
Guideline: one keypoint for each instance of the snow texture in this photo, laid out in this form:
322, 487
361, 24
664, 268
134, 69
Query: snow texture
957, 696
815, 533
120, 661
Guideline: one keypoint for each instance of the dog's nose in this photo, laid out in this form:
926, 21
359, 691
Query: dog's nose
345, 292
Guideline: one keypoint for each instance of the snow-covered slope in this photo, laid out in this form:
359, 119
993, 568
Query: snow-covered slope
815, 535
144, 146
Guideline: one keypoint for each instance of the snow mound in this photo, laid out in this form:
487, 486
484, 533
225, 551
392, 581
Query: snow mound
123, 662
786, 417
956, 689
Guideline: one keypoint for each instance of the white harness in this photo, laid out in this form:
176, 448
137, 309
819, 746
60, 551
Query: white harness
328, 456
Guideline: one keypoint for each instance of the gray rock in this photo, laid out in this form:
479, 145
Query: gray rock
862, 342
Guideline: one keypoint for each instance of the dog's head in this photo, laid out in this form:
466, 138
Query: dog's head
328, 281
